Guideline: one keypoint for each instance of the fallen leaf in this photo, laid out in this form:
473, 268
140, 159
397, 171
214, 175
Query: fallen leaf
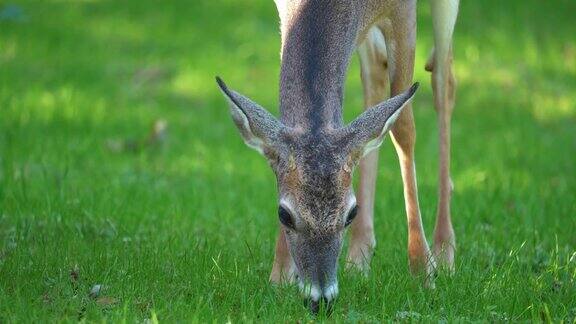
46, 298
75, 274
106, 301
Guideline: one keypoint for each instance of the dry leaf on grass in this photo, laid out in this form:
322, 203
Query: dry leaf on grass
155, 137
106, 301
74, 274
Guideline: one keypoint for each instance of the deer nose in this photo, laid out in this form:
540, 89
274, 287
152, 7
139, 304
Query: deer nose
314, 297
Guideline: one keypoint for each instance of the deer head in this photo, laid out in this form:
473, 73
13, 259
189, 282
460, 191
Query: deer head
314, 175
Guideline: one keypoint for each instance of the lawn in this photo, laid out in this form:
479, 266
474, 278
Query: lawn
180, 224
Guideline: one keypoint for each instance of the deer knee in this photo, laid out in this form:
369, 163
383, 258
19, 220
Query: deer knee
443, 81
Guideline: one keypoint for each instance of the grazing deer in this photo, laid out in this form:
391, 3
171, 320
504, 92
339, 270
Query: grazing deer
313, 154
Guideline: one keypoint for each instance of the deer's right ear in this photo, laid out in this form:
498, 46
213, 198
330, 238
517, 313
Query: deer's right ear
259, 129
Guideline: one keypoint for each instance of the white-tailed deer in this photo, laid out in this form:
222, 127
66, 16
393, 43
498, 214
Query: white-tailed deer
313, 153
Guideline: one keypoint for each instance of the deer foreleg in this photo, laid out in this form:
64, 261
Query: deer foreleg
400, 36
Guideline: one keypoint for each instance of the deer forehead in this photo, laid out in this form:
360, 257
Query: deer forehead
315, 175
318, 197
314, 153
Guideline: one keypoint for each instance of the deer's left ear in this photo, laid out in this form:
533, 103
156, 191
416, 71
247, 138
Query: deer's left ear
367, 132
259, 129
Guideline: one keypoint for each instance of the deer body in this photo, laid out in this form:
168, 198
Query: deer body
313, 153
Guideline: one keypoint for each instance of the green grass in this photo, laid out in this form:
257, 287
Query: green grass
185, 230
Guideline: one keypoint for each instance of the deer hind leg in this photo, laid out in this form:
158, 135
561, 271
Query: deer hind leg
374, 74
444, 14
283, 269
400, 34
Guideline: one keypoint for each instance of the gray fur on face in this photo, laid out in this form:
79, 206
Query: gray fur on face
316, 257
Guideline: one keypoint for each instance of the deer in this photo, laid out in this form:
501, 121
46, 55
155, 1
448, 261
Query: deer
313, 153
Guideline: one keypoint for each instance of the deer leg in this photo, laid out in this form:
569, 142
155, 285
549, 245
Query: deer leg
374, 74
443, 85
400, 36
444, 239
283, 267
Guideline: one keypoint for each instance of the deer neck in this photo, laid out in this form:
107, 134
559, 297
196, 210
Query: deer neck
318, 38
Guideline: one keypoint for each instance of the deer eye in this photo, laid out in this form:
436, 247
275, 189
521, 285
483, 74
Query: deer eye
285, 218
351, 215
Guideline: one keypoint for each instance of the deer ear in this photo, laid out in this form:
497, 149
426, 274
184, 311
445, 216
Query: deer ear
367, 132
258, 127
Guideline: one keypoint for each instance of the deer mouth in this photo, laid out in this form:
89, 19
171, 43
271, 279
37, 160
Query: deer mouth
315, 296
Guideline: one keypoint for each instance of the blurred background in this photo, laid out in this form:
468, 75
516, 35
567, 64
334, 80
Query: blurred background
120, 164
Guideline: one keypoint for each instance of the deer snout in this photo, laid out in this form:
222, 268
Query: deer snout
316, 260
314, 295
